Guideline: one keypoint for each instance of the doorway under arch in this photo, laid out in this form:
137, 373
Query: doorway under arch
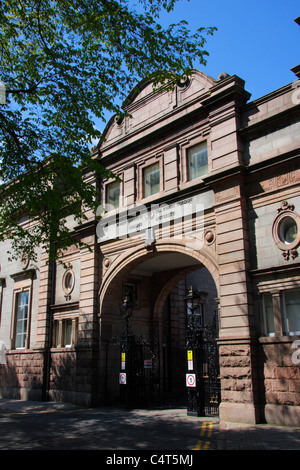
158, 282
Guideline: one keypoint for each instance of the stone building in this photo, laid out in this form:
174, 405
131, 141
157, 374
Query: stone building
208, 196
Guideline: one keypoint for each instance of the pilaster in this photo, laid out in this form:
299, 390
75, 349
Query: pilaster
236, 336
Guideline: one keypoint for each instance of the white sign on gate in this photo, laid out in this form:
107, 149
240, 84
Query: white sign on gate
122, 378
191, 380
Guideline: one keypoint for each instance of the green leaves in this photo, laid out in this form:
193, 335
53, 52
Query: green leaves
65, 63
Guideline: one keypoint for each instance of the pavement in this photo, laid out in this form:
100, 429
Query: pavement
27, 425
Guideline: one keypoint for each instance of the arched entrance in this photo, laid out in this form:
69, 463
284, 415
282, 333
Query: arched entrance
189, 319
146, 345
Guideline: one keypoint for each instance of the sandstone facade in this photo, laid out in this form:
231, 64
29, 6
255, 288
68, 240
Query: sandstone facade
234, 164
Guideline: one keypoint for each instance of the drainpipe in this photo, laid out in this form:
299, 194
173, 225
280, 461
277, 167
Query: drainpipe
46, 387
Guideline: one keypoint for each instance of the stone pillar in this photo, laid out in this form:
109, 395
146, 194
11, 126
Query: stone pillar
236, 347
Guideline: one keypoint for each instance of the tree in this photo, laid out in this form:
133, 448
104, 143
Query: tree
65, 63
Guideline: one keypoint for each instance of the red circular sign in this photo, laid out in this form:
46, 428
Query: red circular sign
122, 378
191, 380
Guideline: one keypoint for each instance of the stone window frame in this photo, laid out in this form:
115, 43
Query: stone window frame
140, 168
184, 148
106, 187
284, 313
60, 319
189, 155
23, 283
147, 180
279, 313
105, 193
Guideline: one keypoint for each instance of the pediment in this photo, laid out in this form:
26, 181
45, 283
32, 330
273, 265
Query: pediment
146, 106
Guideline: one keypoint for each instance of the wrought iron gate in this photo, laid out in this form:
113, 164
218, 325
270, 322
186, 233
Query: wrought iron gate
204, 389
139, 377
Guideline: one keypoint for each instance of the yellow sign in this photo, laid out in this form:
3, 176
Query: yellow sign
190, 355
123, 357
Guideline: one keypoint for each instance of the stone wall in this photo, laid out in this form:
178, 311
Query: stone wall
239, 384
72, 376
281, 382
252, 167
22, 375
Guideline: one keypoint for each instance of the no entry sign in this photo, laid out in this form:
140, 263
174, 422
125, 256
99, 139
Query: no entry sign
191, 380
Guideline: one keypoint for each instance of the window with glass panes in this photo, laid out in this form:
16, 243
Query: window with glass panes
151, 176
113, 194
197, 161
67, 332
21, 319
291, 306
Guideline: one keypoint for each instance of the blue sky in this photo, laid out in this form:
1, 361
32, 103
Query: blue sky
258, 40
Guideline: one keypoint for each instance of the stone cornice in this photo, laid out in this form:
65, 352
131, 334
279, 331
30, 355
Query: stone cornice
232, 86
260, 127
275, 270
29, 273
232, 171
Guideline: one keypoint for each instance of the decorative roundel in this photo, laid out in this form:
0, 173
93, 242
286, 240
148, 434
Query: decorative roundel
209, 237
286, 230
68, 281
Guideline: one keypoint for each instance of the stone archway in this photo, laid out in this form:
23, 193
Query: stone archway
155, 274
136, 255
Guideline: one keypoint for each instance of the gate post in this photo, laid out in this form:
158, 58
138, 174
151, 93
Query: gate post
194, 326
202, 377
126, 353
